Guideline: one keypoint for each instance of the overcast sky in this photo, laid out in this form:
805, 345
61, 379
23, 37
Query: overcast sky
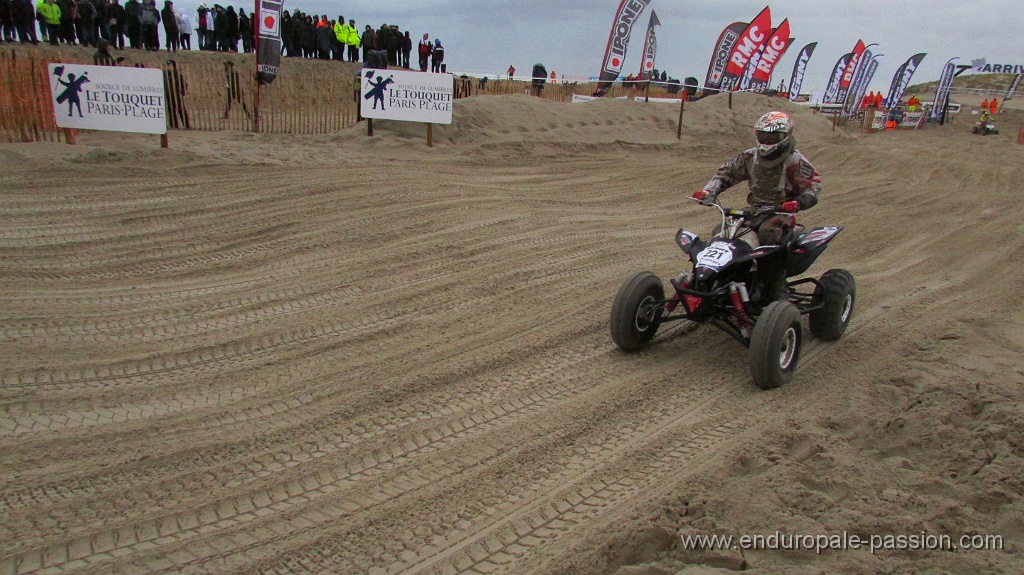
569, 36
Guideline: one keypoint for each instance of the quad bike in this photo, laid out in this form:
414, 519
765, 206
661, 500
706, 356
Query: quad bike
729, 288
985, 128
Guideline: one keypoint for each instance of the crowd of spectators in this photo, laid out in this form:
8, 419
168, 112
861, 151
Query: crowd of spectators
136, 24
86, 22
311, 36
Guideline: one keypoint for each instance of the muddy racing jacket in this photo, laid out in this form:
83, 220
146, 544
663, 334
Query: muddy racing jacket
792, 179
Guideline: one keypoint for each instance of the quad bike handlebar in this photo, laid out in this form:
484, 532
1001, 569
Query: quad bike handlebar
737, 217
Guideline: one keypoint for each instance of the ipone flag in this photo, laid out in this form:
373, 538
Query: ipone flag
650, 48
837, 76
268, 47
772, 52
799, 68
901, 79
748, 44
720, 57
618, 40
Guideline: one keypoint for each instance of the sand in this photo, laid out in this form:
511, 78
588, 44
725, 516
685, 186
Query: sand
343, 354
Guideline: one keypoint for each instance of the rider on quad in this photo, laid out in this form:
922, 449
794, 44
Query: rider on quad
777, 175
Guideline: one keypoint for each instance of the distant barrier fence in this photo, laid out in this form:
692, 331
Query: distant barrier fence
26, 112
214, 96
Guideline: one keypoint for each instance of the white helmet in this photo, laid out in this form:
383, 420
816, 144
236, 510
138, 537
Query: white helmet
774, 133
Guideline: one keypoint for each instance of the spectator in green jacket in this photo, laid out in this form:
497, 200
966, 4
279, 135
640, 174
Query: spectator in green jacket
50, 13
352, 40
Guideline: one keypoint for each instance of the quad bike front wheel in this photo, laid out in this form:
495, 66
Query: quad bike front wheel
836, 292
775, 345
636, 311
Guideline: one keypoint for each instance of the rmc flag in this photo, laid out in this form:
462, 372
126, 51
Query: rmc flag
848, 73
268, 47
720, 57
772, 52
650, 48
618, 40
748, 44
901, 79
797, 80
748, 72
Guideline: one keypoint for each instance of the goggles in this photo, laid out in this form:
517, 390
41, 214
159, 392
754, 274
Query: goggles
770, 138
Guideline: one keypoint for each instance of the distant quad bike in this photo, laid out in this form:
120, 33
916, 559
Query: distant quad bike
985, 128
725, 290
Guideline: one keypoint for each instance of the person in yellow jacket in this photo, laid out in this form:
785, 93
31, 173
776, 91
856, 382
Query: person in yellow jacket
341, 35
352, 39
50, 12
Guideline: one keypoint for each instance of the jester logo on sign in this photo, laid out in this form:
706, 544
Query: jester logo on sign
377, 89
72, 89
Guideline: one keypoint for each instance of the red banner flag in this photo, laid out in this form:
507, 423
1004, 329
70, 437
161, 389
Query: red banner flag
748, 44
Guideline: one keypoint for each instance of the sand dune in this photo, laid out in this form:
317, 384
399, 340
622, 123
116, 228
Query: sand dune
343, 354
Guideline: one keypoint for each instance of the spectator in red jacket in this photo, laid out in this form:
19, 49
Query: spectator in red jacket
424, 52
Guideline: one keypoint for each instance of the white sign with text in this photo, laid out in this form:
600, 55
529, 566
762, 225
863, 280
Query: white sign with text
108, 98
407, 96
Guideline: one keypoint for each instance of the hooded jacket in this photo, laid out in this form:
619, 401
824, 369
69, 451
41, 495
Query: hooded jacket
148, 14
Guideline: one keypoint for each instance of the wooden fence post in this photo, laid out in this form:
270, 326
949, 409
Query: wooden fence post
682, 105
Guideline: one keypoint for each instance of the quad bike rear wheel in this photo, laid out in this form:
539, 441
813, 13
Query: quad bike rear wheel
636, 311
836, 292
775, 345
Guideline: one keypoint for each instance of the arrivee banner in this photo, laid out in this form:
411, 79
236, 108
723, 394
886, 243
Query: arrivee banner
108, 98
407, 96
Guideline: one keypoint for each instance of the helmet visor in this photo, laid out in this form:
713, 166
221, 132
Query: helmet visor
770, 138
